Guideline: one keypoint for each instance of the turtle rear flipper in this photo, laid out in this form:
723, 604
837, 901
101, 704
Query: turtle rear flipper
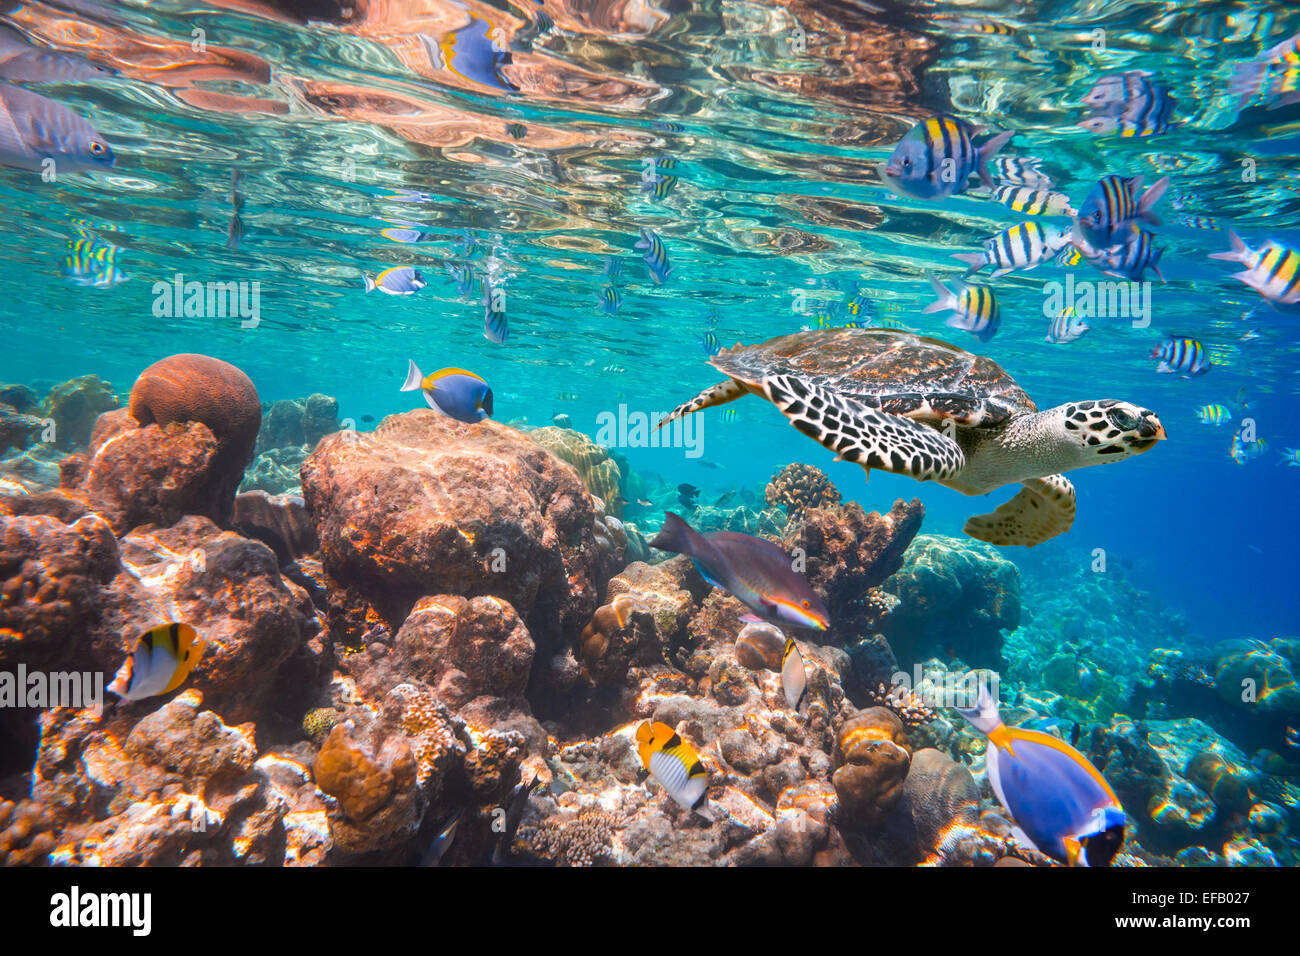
867, 436
1043, 509
719, 394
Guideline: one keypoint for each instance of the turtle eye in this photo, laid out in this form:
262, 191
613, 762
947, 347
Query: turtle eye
1122, 419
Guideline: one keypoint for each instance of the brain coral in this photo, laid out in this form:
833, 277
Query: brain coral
188, 387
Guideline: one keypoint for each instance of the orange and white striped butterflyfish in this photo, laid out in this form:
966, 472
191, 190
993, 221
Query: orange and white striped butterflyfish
758, 573
793, 680
455, 392
162, 659
1062, 806
674, 764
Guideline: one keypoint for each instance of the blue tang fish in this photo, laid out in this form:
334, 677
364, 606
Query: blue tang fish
756, 572
455, 392
1061, 805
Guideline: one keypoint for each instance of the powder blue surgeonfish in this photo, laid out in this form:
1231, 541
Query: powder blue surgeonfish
455, 392
1061, 805
34, 128
756, 572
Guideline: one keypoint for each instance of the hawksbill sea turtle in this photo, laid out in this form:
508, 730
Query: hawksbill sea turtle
917, 406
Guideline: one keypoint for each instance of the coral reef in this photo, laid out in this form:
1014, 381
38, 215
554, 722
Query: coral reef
425, 504
599, 472
848, 552
74, 406
798, 486
298, 423
276, 471
956, 597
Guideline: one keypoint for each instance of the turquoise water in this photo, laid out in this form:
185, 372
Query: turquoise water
776, 154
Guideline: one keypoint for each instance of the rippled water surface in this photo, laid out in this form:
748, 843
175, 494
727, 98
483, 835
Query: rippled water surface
514, 138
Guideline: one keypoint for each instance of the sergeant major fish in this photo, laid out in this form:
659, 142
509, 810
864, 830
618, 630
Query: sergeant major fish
975, 306
656, 255
1272, 270
1023, 246
937, 156
1113, 204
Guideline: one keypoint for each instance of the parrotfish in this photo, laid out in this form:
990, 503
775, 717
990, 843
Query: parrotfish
162, 659
455, 392
34, 128
399, 280
1061, 805
1113, 204
937, 156
758, 573
674, 764
975, 306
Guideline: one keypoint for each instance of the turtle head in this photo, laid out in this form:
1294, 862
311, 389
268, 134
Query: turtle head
1110, 430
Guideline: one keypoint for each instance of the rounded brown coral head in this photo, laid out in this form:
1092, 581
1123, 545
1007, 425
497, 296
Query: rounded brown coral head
798, 486
199, 388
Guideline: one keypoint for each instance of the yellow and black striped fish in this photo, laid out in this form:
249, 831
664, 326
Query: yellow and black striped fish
975, 306
937, 156
1022, 246
163, 657
1033, 202
673, 763
1272, 270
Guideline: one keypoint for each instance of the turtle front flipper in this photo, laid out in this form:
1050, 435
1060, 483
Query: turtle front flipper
867, 436
1043, 509
719, 394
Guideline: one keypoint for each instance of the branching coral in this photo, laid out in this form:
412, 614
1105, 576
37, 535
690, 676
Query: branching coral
580, 842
